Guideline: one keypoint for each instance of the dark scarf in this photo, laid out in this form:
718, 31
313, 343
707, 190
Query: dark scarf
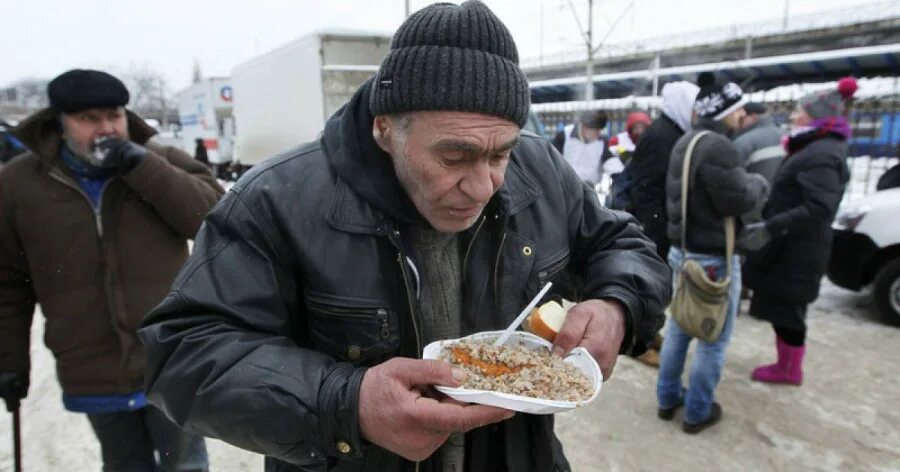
829, 126
82, 168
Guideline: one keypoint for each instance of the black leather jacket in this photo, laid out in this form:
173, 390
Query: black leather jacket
299, 280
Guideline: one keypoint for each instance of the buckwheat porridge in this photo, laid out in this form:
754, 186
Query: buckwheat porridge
518, 371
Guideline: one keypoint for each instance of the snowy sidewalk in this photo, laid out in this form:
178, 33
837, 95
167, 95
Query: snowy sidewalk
844, 418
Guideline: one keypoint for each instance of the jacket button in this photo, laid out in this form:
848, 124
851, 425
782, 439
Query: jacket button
526, 250
353, 353
343, 447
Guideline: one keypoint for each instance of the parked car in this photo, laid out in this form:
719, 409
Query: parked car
867, 250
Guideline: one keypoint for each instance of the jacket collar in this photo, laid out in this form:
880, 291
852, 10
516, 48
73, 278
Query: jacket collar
42, 135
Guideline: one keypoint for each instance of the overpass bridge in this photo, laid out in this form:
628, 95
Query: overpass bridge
862, 41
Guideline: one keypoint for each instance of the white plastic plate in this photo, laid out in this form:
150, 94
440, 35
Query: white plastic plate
579, 357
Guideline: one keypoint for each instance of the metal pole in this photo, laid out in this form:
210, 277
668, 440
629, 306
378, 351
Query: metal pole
787, 4
656, 75
589, 63
406, 8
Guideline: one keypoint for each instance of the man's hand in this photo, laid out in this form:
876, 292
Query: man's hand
13, 388
119, 153
393, 413
599, 327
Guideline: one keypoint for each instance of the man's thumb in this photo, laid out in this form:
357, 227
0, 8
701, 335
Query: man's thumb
429, 372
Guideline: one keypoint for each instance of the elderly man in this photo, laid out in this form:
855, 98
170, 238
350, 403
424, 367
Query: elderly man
423, 213
94, 224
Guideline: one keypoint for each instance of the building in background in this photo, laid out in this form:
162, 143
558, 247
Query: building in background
205, 112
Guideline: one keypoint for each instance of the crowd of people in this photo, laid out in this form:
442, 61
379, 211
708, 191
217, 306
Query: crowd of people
295, 326
783, 189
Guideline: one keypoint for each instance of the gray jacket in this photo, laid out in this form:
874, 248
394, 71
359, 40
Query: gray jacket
760, 148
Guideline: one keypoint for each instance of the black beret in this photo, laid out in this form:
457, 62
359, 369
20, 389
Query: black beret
755, 108
80, 89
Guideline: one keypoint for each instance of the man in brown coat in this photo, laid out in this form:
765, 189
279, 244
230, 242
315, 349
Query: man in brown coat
94, 224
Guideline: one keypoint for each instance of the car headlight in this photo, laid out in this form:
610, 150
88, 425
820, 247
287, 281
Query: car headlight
849, 219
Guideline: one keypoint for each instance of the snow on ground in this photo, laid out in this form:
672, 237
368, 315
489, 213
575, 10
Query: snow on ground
844, 417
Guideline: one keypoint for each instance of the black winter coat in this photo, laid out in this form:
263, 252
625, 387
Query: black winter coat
299, 281
648, 168
804, 200
719, 187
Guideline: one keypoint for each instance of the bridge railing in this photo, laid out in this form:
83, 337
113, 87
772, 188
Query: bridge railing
825, 19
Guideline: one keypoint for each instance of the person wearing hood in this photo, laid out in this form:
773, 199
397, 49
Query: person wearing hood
647, 171
718, 187
621, 146
650, 161
94, 225
583, 145
422, 213
790, 248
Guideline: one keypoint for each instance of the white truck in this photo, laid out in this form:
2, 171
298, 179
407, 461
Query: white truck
205, 112
283, 97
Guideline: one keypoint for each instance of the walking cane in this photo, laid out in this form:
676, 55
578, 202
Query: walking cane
13, 390
17, 440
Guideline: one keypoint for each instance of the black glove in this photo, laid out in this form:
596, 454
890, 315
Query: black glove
13, 388
116, 153
754, 237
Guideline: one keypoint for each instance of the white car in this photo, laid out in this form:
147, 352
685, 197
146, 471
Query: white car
867, 250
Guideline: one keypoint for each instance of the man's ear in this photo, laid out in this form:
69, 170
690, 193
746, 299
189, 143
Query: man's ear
381, 131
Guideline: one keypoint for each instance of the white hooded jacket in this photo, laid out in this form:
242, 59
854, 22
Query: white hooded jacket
678, 102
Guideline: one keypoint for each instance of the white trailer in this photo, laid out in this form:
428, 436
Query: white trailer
283, 97
205, 112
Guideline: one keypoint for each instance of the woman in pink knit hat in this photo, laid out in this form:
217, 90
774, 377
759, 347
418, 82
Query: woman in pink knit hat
789, 250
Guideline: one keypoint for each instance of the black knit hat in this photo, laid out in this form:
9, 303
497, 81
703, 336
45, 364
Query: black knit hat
80, 89
717, 98
452, 57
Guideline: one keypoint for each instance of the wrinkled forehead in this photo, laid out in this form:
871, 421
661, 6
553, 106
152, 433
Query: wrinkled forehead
464, 131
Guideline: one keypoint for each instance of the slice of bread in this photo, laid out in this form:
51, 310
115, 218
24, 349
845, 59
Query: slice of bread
546, 320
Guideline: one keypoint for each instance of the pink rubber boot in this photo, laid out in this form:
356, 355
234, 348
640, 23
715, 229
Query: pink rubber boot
787, 370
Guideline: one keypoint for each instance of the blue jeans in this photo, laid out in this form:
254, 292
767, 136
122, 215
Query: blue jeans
706, 369
146, 441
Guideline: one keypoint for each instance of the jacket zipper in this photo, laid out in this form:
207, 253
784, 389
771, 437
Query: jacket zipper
412, 314
98, 219
98, 212
394, 237
469, 249
382, 315
497, 269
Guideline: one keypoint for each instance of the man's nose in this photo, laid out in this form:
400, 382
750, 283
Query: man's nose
107, 127
477, 184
